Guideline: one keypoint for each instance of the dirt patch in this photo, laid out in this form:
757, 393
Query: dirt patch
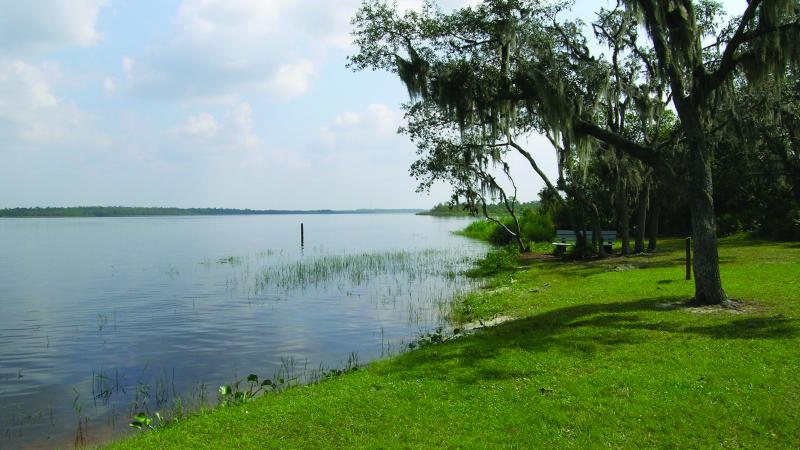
537, 257
477, 325
498, 290
622, 268
732, 306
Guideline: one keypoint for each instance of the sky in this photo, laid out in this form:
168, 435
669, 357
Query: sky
206, 103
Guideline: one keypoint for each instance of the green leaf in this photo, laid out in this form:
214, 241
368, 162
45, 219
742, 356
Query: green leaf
252, 378
225, 390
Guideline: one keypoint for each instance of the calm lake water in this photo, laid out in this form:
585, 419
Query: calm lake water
102, 318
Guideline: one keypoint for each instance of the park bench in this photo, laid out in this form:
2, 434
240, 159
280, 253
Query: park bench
566, 238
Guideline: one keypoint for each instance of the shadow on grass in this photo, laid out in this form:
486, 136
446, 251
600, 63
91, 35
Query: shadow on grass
741, 242
588, 269
582, 330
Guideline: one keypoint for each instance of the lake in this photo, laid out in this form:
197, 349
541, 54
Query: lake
103, 318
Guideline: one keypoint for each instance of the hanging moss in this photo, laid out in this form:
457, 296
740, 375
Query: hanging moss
413, 73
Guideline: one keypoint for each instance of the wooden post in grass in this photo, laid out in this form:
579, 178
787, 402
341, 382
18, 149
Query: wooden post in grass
302, 236
688, 258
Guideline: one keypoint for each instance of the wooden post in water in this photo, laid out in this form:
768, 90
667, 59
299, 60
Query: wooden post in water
302, 235
688, 258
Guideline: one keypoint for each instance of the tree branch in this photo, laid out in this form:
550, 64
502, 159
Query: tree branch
535, 167
729, 60
645, 154
664, 54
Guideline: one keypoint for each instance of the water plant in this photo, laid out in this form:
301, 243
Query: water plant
359, 269
232, 260
142, 421
496, 261
233, 394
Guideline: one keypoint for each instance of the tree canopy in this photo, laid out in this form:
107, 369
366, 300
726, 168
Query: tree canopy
506, 68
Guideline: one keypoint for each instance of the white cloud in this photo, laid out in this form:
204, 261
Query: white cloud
376, 119
383, 119
347, 119
24, 88
234, 131
202, 126
29, 108
240, 120
45, 24
110, 85
292, 80
127, 65
202, 19
228, 49
371, 128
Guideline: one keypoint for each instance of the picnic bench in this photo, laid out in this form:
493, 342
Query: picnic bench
566, 238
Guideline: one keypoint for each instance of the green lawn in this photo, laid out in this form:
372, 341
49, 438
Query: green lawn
601, 355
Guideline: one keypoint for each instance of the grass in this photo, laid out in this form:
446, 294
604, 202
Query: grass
535, 227
601, 354
360, 268
479, 229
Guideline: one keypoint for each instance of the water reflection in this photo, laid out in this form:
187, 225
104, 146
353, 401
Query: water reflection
102, 318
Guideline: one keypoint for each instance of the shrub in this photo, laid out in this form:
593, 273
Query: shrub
496, 261
791, 225
728, 224
537, 227
499, 234
480, 229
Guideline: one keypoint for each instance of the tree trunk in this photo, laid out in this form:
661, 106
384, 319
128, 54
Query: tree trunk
518, 233
576, 218
707, 281
624, 218
597, 233
580, 243
521, 245
641, 217
655, 213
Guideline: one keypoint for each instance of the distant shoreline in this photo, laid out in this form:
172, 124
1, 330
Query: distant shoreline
125, 211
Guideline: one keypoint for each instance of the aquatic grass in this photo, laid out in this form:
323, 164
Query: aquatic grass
418, 286
173, 309
359, 269
415, 286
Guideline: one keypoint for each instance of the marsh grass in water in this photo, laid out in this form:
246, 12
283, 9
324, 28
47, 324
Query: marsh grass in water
358, 269
239, 392
210, 299
426, 282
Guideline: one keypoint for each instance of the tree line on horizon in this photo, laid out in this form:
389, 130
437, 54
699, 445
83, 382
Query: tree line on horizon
128, 211
685, 122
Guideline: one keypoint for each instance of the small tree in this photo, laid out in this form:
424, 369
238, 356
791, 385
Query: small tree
461, 158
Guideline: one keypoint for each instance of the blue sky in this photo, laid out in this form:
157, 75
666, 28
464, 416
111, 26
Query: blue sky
220, 103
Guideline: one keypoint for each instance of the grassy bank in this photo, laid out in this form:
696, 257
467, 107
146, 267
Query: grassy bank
601, 354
